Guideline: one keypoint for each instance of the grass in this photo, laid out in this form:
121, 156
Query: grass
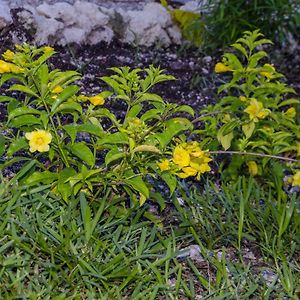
104, 250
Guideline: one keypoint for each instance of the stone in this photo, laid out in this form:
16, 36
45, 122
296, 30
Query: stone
48, 30
142, 22
60, 11
149, 26
89, 15
73, 35
105, 34
5, 16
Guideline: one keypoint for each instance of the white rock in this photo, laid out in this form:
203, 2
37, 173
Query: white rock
48, 30
5, 16
148, 26
73, 35
105, 34
175, 34
89, 16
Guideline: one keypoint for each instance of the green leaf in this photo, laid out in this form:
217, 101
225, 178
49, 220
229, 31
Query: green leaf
173, 128
146, 148
151, 114
60, 78
104, 112
113, 155
82, 151
86, 216
185, 108
67, 93
91, 129
22, 111
2, 144
170, 180
137, 183
240, 48
45, 177
288, 102
225, 140
134, 111
71, 130
24, 89
64, 187
6, 99
70, 107
149, 97
114, 138
25, 121
16, 146
114, 84
248, 129
254, 59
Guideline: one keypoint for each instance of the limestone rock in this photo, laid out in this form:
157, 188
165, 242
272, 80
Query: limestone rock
149, 25
5, 17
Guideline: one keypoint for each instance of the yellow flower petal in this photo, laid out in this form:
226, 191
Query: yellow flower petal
296, 179
291, 112
57, 90
181, 157
8, 55
256, 110
222, 68
97, 100
252, 167
164, 165
39, 140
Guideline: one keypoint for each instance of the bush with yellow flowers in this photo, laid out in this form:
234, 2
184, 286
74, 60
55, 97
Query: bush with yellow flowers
255, 120
133, 147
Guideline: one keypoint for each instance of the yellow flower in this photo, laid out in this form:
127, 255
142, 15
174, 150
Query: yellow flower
48, 49
39, 140
16, 69
298, 149
187, 172
243, 98
57, 90
97, 100
222, 68
268, 74
135, 122
296, 179
4, 67
291, 112
181, 157
252, 167
256, 110
8, 55
164, 165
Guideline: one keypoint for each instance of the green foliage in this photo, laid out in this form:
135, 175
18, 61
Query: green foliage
256, 114
227, 20
104, 250
224, 21
132, 146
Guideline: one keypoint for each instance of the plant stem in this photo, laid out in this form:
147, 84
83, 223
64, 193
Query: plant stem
254, 154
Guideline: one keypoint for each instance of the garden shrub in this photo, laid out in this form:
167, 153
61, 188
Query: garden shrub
256, 115
254, 122
45, 120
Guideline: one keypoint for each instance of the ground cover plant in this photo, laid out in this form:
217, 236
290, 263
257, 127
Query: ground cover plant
95, 206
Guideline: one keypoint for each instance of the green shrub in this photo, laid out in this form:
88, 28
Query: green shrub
132, 148
255, 119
